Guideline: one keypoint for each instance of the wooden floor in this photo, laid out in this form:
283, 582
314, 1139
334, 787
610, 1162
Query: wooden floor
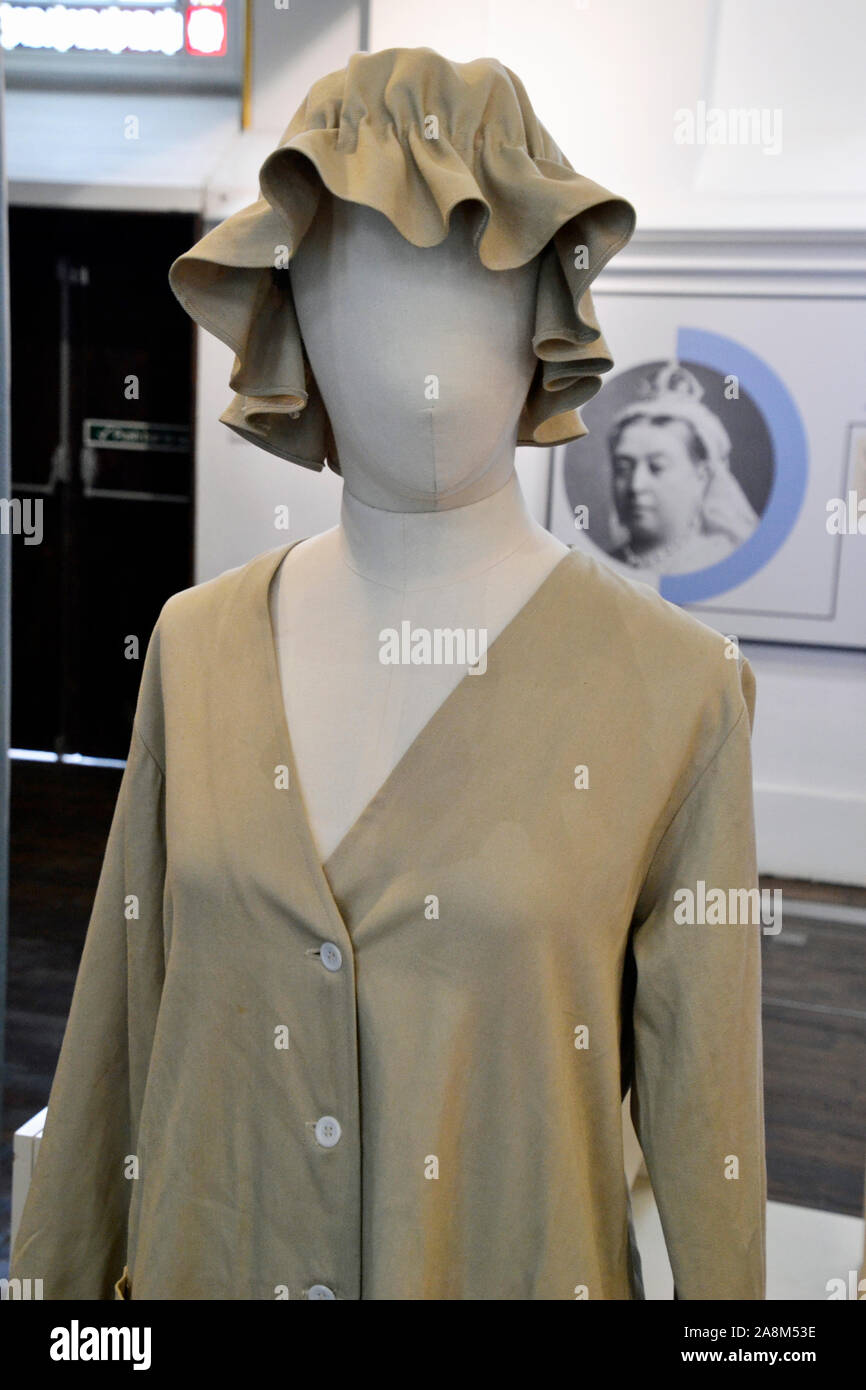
814, 992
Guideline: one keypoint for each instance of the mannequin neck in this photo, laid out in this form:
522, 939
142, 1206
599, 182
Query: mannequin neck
433, 549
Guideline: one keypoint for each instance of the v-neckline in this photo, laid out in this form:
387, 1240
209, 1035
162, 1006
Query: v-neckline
386, 789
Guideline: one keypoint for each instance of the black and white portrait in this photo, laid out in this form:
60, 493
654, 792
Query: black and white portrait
662, 487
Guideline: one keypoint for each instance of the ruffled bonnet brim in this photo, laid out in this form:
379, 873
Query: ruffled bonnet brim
365, 135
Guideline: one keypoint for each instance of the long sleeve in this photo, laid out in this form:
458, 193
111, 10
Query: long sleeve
697, 1090
73, 1228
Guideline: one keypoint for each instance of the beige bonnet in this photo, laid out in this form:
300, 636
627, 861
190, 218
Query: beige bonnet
411, 134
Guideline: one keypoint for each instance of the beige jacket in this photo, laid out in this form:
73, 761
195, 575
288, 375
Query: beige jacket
399, 1076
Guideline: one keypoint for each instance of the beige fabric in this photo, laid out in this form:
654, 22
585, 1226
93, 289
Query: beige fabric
443, 1042
365, 134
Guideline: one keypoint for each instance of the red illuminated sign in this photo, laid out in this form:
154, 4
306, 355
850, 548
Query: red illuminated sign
205, 29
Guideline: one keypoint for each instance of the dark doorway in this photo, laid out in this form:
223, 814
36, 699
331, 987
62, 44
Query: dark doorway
102, 368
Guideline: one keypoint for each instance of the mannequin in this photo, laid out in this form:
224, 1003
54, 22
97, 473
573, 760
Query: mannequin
433, 526
367, 1029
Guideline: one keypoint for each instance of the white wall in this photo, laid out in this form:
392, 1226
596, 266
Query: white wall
293, 48
809, 752
606, 77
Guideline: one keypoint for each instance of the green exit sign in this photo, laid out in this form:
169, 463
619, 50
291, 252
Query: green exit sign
137, 434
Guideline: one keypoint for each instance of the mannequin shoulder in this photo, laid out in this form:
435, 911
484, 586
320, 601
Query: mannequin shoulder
194, 613
636, 612
655, 650
204, 635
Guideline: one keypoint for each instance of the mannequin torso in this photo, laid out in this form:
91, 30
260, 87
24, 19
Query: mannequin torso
350, 717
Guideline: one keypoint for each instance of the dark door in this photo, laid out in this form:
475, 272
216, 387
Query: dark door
102, 365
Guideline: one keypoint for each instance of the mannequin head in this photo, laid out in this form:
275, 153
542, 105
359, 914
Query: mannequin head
422, 355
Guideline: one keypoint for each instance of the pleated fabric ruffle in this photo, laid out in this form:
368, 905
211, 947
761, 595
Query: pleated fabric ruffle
411, 134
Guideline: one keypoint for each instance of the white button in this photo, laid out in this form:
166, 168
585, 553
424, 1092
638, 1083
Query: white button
331, 956
320, 1291
328, 1131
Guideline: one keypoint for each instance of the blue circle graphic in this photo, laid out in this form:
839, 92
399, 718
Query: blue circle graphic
790, 474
